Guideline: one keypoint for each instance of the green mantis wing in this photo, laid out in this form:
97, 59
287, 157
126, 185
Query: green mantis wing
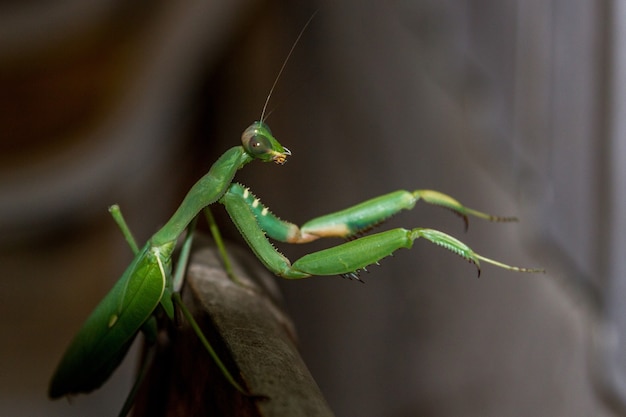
102, 342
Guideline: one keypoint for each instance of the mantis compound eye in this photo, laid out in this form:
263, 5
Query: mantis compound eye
259, 143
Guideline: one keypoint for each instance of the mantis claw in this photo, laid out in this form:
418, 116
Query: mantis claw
456, 246
464, 217
444, 200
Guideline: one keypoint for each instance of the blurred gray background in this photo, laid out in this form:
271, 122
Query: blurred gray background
513, 107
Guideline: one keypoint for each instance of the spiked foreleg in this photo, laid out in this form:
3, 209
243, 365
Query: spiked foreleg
345, 259
362, 217
355, 220
273, 226
242, 215
351, 257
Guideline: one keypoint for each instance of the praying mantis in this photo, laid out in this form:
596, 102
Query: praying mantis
148, 285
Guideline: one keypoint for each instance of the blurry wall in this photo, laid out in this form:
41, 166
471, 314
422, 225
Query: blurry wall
504, 105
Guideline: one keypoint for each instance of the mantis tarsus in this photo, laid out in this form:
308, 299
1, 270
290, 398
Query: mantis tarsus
147, 284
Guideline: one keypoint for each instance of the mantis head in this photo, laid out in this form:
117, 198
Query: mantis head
259, 143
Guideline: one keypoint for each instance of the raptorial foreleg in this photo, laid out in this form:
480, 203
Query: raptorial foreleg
345, 259
353, 221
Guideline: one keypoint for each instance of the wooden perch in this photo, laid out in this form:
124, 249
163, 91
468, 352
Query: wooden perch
251, 334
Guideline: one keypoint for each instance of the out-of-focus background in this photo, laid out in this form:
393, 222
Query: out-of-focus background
514, 107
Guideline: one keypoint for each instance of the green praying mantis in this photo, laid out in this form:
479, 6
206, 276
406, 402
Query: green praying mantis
148, 285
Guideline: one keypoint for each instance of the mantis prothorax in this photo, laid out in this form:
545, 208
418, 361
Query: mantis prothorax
147, 283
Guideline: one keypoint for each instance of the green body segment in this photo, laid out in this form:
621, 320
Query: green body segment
368, 214
273, 226
206, 191
354, 255
101, 343
361, 217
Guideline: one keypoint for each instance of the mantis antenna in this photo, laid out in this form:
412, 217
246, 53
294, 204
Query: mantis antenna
282, 68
